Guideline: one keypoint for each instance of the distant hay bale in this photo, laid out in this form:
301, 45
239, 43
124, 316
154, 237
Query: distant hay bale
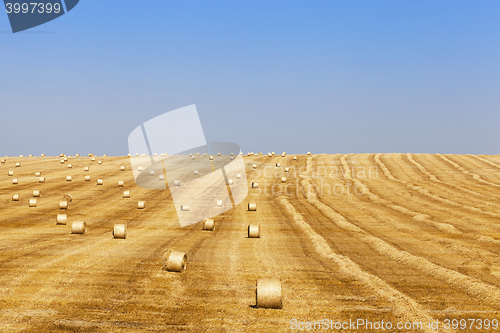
184, 208
105, 155
14, 181
79, 227
61, 219
287, 169
218, 154
68, 197
68, 178
77, 155
61, 161
32, 203
99, 182
161, 177
141, 205
238, 176
231, 158
174, 261
99, 162
15, 197
126, 194
41, 180
219, 203
209, 225
70, 166
87, 178
36, 193
139, 169
283, 179
129, 155
272, 153
177, 183
63, 204
308, 153
232, 154
86, 169
268, 294
30, 155
65, 159
211, 158
122, 168
93, 159
278, 165
121, 183
43, 155
193, 157
255, 185
283, 154
21, 156
269, 154
295, 158
2, 161
120, 231
229, 182
151, 173
37, 174
253, 231
61, 155
18, 165
196, 172
11, 173
254, 166
252, 206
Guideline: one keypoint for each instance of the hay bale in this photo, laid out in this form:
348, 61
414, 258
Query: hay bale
121, 183
219, 203
139, 169
287, 169
278, 165
141, 205
295, 158
86, 169
43, 155
99, 162
255, 185
14, 181
93, 159
161, 177
238, 176
308, 153
36, 193
70, 166
253, 231
151, 173
129, 155
2, 161
252, 206
126, 194
211, 158
99, 182
79, 227
254, 166
30, 155
120, 231
196, 172
229, 182
283, 154
68, 178
218, 154
272, 153
18, 165
174, 261
63, 204
11, 173
177, 183
32, 203
184, 208
77, 155
61, 219
268, 294
283, 179
15, 197
68, 197
61, 155
122, 168
41, 180
37, 174
61, 161
87, 178
209, 225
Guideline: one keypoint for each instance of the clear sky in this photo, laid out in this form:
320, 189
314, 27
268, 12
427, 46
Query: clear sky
322, 76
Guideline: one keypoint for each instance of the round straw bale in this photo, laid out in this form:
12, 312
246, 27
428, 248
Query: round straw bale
11, 173
174, 261
254, 166
272, 153
61, 219
37, 174
136, 154
295, 158
99, 162
129, 155
78, 227
283, 179
18, 165
120, 231
99, 182
122, 168
152, 173
193, 157
238, 176
231, 158
253, 231
284, 154
63, 204
184, 208
255, 185
196, 172
209, 225
68, 197
61, 161
211, 158
14, 181
278, 165
70, 166
252, 206
86, 169
30, 155
126, 194
68, 178
268, 294
139, 169
36, 193
232, 154
61, 155
32, 202
3, 161
43, 155
77, 155
177, 183
218, 154
87, 178
121, 183
141, 204
92, 159
105, 155
219, 203
41, 180
269, 154
205, 154
21, 156
161, 177
15, 197
287, 169
308, 153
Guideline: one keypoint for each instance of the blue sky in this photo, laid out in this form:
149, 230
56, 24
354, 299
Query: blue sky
322, 76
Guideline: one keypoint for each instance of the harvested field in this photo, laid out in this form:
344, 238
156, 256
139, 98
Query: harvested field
399, 238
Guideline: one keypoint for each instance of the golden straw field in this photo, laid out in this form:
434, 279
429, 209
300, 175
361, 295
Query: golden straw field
392, 237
